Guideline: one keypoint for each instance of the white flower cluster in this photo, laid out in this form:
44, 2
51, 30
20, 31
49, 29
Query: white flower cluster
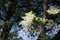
28, 20
53, 10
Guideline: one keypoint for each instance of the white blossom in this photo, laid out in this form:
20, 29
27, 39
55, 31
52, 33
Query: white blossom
28, 20
53, 10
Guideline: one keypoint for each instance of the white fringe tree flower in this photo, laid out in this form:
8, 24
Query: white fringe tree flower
28, 20
53, 10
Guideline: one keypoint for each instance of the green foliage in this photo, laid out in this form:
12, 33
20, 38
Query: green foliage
40, 20
43, 38
58, 15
